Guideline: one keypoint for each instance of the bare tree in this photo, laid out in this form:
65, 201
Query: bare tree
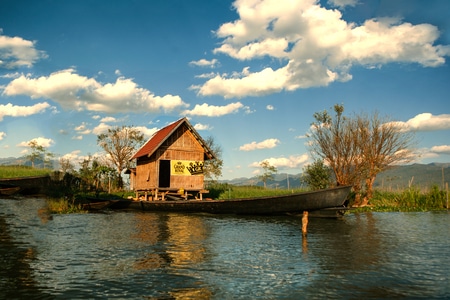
66, 165
120, 143
269, 172
333, 142
358, 148
382, 144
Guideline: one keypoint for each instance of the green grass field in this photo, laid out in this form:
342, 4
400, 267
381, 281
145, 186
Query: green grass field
21, 171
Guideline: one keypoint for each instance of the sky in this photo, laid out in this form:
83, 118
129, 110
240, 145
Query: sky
249, 73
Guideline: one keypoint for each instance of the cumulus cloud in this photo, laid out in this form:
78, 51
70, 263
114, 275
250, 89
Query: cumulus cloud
200, 126
101, 128
73, 91
205, 63
442, 149
426, 122
2, 135
314, 45
266, 144
40, 141
82, 129
21, 111
147, 132
270, 107
17, 52
213, 110
291, 162
108, 119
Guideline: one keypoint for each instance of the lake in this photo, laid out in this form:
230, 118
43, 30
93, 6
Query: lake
143, 255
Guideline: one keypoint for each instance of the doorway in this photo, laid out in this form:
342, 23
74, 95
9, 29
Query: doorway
164, 173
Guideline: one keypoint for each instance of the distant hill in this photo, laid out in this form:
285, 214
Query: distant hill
396, 178
399, 177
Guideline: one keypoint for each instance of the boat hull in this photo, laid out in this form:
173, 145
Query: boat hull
8, 189
293, 203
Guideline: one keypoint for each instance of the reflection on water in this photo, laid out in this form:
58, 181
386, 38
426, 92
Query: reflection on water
181, 256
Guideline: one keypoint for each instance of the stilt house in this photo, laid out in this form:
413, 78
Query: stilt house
170, 164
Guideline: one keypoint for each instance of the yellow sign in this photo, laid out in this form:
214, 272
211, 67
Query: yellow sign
186, 167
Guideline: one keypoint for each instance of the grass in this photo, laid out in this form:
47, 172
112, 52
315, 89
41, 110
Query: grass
22, 171
411, 199
64, 206
235, 192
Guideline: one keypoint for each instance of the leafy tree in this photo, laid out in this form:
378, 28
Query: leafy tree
268, 172
212, 169
120, 143
317, 175
38, 152
358, 148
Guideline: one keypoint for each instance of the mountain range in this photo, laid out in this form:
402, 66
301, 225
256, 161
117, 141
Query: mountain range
395, 178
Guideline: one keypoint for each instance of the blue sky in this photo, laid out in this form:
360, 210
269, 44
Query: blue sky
249, 73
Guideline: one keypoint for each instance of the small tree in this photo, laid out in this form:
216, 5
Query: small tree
212, 168
66, 165
268, 172
317, 175
120, 143
38, 152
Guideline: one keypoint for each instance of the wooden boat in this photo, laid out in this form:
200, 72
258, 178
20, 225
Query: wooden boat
272, 205
98, 205
8, 189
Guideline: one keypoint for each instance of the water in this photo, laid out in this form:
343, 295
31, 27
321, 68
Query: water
136, 255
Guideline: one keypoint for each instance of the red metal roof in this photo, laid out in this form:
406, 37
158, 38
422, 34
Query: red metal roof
160, 136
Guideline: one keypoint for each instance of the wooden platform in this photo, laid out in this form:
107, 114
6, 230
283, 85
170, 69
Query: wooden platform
163, 194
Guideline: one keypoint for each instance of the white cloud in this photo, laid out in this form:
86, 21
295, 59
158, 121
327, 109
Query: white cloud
147, 132
442, 149
73, 91
266, 144
291, 162
108, 119
2, 135
343, 3
200, 126
426, 122
82, 129
21, 111
101, 128
41, 141
205, 63
315, 46
17, 52
212, 110
270, 107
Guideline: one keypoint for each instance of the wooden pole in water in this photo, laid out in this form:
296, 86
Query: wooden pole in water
305, 223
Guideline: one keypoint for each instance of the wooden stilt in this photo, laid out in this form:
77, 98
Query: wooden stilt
305, 223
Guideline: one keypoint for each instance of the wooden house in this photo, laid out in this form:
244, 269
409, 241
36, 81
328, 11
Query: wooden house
170, 164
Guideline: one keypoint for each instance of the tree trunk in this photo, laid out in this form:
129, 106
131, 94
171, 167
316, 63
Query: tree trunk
369, 190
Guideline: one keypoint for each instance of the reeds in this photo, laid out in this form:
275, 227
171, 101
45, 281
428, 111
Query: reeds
410, 199
64, 206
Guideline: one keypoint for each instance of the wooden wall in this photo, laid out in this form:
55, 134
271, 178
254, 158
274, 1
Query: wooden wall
181, 145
